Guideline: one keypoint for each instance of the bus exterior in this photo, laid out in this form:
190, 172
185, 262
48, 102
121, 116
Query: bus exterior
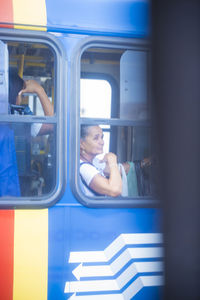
92, 58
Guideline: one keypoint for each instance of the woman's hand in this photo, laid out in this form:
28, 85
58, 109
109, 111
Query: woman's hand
111, 186
110, 159
31, 86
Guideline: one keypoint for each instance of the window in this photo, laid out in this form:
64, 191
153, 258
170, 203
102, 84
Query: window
95, 102
30, 127
122, 112
95, 98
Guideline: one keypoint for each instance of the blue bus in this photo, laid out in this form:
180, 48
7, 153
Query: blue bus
93, 60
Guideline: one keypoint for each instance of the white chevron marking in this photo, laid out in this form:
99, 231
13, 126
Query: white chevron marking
132, 239
110, 270
112, 285
129, 293
114, 247
99, 256
107, 270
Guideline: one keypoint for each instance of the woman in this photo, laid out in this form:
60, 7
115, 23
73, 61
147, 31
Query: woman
94, 180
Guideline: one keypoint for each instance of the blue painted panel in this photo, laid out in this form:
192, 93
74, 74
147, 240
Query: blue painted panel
87, 229
107, 17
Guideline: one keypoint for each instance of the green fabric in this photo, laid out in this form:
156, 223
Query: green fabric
132, 181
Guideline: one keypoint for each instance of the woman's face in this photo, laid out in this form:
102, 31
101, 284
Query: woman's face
93, 143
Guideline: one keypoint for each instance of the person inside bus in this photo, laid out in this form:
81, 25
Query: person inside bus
18, 87
135, 177
8, 164
94, 182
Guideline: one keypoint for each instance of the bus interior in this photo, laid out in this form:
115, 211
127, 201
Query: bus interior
124, 112
35, 155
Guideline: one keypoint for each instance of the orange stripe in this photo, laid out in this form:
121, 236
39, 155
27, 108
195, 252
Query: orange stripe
6, 12
6, 254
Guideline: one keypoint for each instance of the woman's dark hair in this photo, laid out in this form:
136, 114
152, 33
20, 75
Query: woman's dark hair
84, 130
16, 84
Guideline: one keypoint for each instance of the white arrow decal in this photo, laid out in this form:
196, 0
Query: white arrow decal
112, 285
136, 253
114, 247
132, 239
149, 266
91, 286
99, 256
141, 282
92, 271
98, 297
107, 270
129, 293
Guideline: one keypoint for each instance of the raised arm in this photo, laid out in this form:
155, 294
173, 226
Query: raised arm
31, 86
111, 186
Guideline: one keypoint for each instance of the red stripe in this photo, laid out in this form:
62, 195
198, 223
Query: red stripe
6, 254
6, 12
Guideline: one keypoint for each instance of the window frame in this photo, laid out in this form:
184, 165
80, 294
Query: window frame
60, 80
98, 201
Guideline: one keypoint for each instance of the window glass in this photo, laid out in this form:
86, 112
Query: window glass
31, 61
95, 101
27, 161
28, 148
122, 103
95, 98
129, 70
133, 85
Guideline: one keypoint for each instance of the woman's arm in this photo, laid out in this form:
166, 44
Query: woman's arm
31, 86
111, 186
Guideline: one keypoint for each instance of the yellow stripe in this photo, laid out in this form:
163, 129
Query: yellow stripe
30, 255
29, 12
